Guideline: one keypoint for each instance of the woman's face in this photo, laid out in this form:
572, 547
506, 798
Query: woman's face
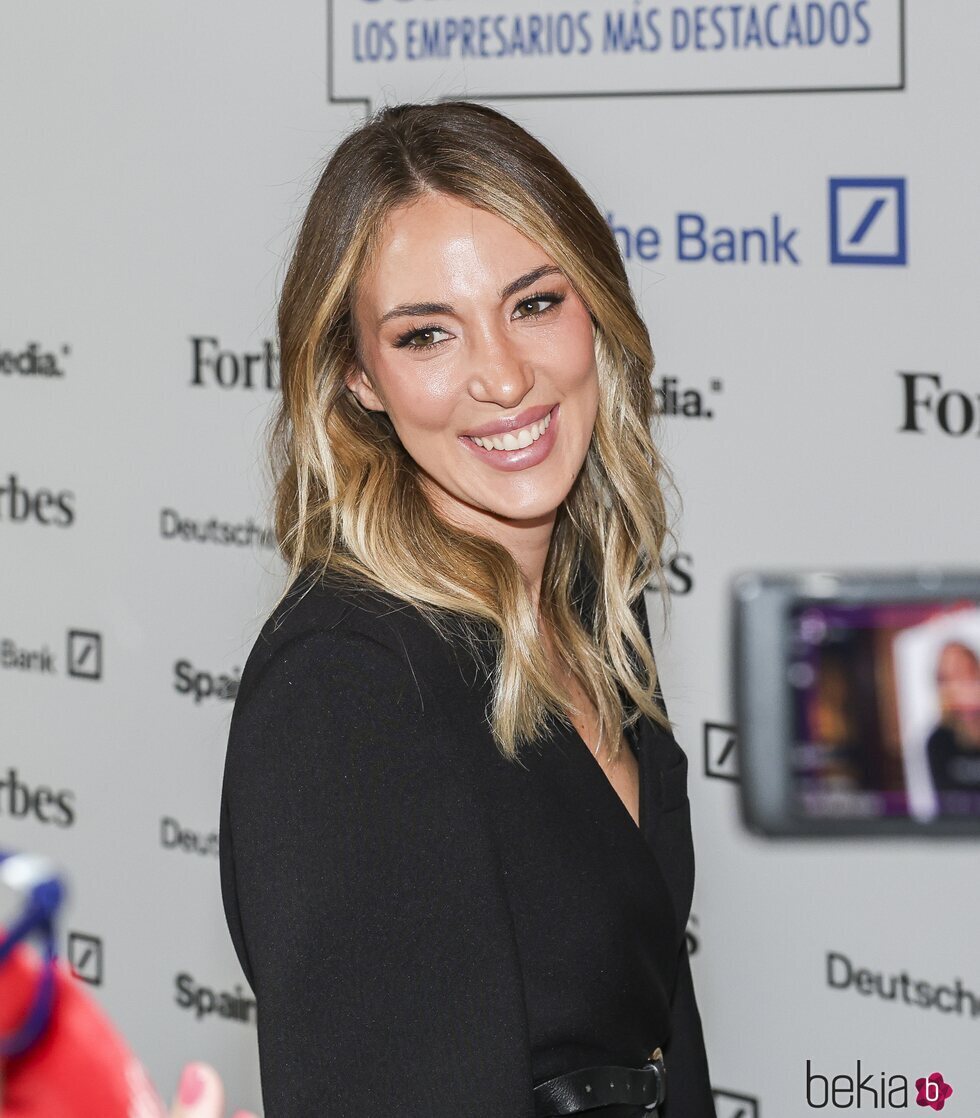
958, 679
467, 328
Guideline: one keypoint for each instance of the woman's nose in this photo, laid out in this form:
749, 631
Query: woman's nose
499, 373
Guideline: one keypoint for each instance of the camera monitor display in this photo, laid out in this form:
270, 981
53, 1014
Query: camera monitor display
859, 702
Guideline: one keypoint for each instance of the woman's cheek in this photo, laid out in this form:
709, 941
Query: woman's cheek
403, 381
576, 357
424, 402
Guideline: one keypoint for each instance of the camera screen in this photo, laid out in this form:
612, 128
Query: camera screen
886, 709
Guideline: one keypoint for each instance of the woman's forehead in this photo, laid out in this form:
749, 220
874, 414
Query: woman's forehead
955, 656
444, 240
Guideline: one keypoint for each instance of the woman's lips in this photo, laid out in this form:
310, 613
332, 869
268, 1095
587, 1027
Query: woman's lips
508, 460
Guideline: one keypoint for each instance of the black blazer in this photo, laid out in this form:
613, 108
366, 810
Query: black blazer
429, 929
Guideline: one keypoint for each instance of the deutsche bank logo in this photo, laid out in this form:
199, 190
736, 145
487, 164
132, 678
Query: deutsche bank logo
868, 221
730, 1104
85, 957
720, 751
84, 654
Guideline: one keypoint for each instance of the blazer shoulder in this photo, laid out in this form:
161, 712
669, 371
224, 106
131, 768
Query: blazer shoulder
322, 605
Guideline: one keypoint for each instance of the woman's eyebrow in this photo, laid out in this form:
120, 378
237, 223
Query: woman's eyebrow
414, 310
528, 278
417, 310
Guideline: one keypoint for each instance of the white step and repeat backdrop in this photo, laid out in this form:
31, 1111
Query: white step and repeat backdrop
794, 187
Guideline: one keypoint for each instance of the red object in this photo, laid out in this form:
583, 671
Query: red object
79, 1066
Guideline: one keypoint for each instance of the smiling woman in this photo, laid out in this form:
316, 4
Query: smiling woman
456, 848
414, 277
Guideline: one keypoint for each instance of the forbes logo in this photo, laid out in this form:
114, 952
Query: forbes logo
32, 362
927, 406
18, 504
222, 368
18, 801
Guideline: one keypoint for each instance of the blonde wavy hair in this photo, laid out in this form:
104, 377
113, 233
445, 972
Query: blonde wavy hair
348, 497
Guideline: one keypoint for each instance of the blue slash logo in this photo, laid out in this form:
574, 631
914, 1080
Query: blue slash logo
868, 221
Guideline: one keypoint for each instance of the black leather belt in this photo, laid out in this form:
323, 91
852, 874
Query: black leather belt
588, 1088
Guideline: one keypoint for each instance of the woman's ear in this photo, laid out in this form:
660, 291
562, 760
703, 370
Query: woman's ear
360, 384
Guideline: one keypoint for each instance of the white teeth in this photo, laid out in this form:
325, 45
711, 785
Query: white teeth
515, 440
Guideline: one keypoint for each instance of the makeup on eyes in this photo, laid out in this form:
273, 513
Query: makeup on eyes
553, 298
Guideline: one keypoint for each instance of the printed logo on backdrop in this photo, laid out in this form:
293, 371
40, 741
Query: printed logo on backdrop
24, 504
203, 685
203, 1001
720, 751
929, 406
86, 957
175, 836
37, 803
83, 658
868, 221
873, 1090
691, 935
227, 533
411, 49
84, 654
683, 401
699, 239
948, 998
215, 366
679, 573
731, 1104
34, 360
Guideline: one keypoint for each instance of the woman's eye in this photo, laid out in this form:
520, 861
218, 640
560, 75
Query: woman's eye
425, 338
536, 305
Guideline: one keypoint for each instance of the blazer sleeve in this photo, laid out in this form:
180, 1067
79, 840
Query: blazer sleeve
689, 1093
364, 896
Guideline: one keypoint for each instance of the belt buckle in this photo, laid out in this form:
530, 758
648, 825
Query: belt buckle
656, 1061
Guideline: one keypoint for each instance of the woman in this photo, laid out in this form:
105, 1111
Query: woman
953, 748
455, 839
